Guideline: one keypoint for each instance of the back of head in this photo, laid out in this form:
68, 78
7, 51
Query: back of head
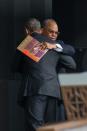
32, 25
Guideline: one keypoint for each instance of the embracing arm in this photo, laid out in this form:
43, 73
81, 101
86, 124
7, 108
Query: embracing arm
67, 49
67, 62
62, 48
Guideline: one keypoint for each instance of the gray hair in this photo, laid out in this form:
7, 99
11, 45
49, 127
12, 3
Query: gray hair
33, 24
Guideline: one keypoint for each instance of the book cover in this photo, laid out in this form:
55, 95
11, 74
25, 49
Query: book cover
32, 48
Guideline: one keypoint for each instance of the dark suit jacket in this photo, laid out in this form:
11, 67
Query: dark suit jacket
41, 77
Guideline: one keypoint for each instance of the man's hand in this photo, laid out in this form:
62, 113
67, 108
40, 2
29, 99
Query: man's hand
50, 46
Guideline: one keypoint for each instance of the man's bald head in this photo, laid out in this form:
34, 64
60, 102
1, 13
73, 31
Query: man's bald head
49, 22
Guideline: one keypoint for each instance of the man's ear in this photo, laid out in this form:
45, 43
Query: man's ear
27, 31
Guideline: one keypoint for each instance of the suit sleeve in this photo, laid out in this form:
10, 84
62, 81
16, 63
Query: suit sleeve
67, 49
67, 62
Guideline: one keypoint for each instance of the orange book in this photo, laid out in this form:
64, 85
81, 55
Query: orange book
32, 48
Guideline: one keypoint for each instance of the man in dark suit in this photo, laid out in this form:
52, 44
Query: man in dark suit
40, 82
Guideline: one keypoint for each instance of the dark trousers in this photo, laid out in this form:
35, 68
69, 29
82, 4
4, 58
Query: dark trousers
41, 109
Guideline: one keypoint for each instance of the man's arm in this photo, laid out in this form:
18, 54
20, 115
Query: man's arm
67, 62
67, 49
62, 48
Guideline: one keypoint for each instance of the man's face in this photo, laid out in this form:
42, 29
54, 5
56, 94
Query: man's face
51, 31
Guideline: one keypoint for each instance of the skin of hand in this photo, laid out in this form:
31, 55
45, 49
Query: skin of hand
50, 46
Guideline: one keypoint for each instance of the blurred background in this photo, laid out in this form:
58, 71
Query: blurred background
71, 16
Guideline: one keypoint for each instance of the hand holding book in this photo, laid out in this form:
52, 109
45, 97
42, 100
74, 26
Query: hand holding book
33, 48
